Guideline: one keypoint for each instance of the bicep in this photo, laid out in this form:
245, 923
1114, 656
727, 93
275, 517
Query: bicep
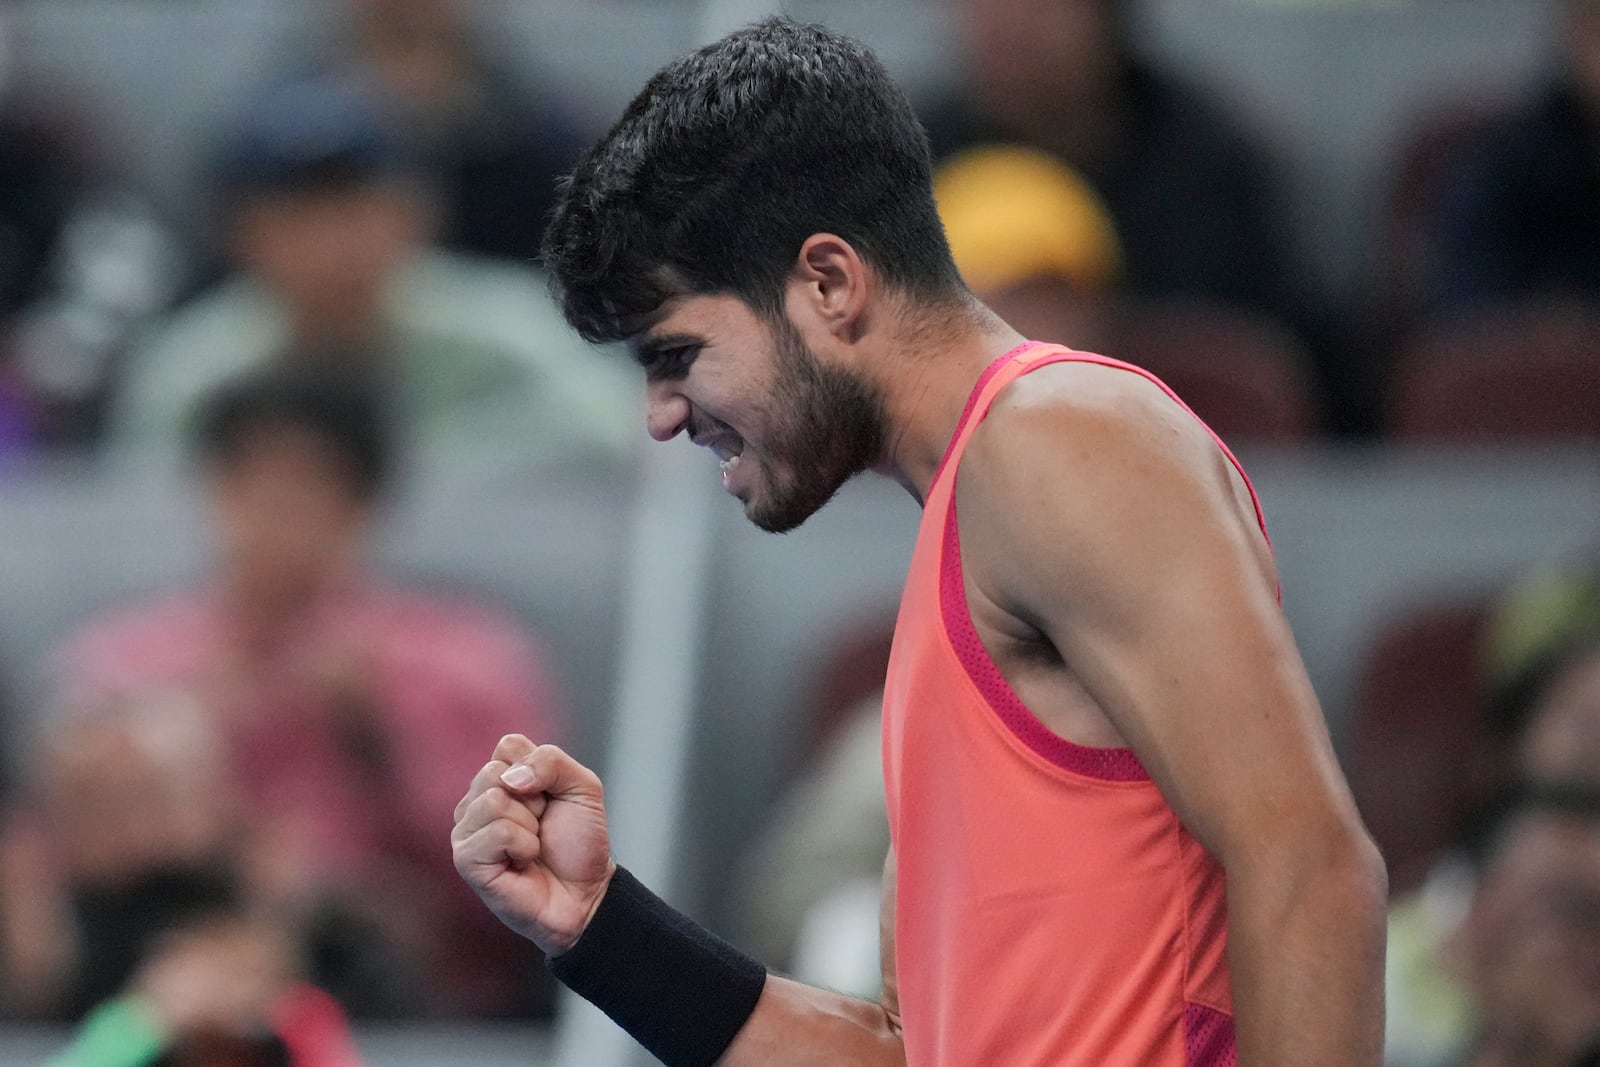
1143, 566
1199, 673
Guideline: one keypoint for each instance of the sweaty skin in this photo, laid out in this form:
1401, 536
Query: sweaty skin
1117, 577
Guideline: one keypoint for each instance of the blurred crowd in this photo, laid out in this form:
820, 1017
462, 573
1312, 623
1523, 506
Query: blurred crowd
380, 200
227, 840
227, 837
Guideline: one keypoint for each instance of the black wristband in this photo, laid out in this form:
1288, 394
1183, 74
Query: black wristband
680, 990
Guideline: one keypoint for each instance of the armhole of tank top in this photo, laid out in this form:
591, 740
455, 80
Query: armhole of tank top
1106, 764
1216, 438
1112, 764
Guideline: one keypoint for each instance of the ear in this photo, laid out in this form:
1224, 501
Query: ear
829, 286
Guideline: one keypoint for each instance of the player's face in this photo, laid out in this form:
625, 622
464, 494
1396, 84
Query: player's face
788, 428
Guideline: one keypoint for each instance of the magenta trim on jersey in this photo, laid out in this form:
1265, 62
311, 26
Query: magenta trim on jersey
1107, 361
1109, 764
1208, 1037
972, 402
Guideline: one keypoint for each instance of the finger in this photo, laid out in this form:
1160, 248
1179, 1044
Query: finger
549, 769
508, 750
495, 805
487, 780
513, 747
488, 777
501, 843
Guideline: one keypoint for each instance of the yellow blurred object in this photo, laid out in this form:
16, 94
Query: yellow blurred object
1012, 214
1541, 616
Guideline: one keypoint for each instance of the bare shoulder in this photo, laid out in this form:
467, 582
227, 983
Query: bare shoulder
1078, 420
1092, 478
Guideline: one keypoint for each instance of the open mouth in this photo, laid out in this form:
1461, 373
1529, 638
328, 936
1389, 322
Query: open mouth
734, 478
724, 443
728, 450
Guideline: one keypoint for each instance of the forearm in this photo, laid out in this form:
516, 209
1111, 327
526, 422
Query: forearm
694, 1000
796, 1024
1305, 951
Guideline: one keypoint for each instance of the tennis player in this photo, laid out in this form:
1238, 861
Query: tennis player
1120, 836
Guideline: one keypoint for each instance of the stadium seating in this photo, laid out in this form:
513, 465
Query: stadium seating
1529, 371
1418, 752
1243, 373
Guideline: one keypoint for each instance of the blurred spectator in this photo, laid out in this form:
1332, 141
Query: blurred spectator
1520, 213
35, 186
1544, 613
1529, 950
808, 890
352, 711
1546, 723
1191, 196
125, 821
123, 893
496, 142
1033, 240
219, 990
1550, 716
83, 263
330, 225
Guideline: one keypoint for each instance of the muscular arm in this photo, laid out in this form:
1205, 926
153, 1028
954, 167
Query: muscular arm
1101, 517
536, 849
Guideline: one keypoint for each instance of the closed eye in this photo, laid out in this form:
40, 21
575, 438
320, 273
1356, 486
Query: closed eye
667, 361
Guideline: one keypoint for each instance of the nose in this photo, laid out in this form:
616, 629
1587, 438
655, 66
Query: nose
666, 410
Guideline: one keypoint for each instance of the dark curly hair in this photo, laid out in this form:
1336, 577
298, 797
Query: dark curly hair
726, 162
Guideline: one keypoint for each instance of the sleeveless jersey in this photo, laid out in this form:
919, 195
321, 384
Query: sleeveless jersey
1051, 909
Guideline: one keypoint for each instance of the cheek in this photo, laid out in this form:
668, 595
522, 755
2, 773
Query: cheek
300, 535
246, 525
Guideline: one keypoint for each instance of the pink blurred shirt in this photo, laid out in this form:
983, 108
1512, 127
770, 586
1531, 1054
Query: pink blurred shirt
443, 679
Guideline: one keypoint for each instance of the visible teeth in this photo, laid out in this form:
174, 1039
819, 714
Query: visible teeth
729, 463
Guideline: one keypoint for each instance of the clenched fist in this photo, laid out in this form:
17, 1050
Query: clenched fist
531, 840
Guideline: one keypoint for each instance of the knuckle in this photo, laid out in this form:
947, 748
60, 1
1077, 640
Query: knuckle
511, 839
498, 803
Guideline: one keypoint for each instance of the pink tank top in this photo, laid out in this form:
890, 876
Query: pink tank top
1051, 909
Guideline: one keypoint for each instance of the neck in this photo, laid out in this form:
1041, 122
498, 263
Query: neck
353, 322
926, 382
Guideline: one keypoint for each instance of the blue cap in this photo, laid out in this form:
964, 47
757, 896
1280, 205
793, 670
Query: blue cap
311, 133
